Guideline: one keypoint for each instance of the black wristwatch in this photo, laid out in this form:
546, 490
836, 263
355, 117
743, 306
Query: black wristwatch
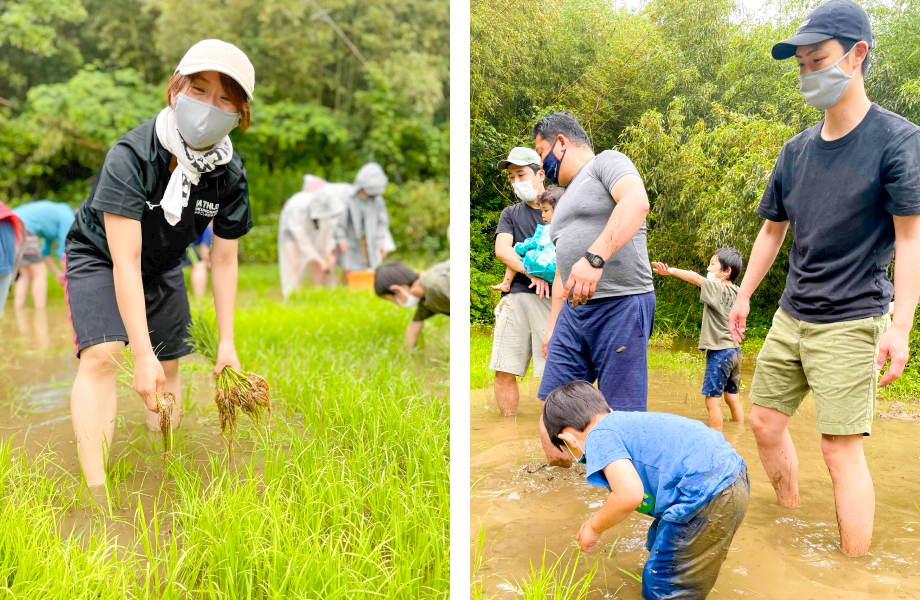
594, 260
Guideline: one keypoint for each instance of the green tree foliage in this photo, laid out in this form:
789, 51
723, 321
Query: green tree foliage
687, 89
338, 83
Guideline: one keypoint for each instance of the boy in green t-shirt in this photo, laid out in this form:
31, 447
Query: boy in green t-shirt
723, 354
428, 293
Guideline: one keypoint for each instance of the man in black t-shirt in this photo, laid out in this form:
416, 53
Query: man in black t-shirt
522, 314
849, 188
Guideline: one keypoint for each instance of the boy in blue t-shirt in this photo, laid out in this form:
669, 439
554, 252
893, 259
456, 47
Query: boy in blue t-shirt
538, 250
674, 469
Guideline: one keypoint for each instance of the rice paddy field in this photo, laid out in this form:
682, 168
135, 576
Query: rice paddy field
343, 494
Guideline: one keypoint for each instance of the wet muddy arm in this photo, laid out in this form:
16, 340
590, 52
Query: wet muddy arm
625, 496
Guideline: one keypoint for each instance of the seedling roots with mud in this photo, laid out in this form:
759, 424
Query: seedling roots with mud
236, 390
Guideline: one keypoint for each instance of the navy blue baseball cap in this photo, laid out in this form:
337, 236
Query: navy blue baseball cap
833, 19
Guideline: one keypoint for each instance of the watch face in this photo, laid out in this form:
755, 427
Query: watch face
596, 261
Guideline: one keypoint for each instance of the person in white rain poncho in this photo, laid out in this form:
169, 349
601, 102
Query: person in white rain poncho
363, 235
306, 233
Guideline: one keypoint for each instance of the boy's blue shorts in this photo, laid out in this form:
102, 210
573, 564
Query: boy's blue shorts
723, 372
685, 558
605, 341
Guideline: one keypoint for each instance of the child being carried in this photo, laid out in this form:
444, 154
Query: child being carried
538, 251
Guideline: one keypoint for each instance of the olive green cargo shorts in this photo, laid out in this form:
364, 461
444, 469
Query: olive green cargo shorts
835, 360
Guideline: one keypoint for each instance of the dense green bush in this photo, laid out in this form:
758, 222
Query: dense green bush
687, 89
75, 75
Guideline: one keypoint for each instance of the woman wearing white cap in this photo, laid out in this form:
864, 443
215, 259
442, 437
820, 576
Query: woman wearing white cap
363, 235
306, 233
159, 187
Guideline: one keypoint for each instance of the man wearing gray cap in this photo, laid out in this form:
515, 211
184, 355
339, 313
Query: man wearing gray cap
522, 314
849, 188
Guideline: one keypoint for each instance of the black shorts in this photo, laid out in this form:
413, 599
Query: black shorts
90, 291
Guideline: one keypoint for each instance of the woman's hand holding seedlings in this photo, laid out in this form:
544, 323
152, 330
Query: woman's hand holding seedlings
149, 379
226, 355
661, 269
587, 536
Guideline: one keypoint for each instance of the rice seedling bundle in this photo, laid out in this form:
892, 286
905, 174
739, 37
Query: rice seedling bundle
235, 390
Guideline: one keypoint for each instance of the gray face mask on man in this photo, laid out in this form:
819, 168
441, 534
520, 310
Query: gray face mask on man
823, 89
201, 124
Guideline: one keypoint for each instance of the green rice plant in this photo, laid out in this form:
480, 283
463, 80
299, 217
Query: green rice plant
686, 364
480, 354
347, 495
558, 580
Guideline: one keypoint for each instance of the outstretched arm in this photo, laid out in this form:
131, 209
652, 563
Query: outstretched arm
689, 276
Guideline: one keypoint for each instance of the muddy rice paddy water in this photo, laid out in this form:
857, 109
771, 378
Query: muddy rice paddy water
520, 506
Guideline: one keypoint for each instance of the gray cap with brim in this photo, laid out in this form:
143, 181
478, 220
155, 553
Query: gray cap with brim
786, 48
521, 157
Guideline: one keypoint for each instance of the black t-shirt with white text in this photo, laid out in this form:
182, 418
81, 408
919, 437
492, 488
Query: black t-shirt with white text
131, 184
839, 197
520, 220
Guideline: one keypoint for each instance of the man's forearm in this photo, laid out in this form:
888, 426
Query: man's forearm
766, 247
624, 222
224, 273
129, 294
557, 302
512, 259
906, 271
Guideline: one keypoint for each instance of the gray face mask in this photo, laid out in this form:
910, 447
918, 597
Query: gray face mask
201, 124
823, 89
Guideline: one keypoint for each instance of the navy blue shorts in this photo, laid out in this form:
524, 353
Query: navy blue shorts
606, 341
723, 372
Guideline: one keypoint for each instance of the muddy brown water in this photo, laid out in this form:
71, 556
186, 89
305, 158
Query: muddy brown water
521, 506
36, 374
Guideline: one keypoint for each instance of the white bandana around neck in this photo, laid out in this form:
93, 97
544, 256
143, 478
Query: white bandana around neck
191, 164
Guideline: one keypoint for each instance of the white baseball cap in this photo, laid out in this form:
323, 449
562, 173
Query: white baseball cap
216, 55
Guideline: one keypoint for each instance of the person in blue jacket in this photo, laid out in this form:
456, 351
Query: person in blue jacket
538, 250
48, 223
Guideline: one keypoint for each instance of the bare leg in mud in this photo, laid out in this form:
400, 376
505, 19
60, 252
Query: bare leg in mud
506, 393
777, 453
854, 495
714, 408
734, 405
172, 384
93, 407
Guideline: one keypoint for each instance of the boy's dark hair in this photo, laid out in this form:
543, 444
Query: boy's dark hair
848, 44
394, 273
551, 196
535, 168
729, 258
561, 123
573, 405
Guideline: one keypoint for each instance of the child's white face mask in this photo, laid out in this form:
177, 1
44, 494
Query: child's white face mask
410, 302
712, 276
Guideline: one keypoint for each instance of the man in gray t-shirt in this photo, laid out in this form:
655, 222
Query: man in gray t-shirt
602, 267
